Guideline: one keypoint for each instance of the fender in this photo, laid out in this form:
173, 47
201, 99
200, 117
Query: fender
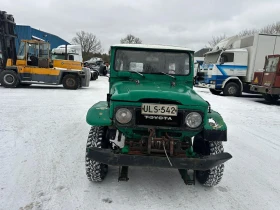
233, 78
215, 128
98, 114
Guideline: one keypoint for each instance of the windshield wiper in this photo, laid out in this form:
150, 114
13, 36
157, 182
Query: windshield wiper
137, 73
168, 75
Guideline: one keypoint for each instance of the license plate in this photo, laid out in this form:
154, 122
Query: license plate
159, 109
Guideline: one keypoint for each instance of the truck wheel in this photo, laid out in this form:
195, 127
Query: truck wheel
71, 82
271, 98
215, 92
9, 79
213, 176
96, 171
94, 76
232, 89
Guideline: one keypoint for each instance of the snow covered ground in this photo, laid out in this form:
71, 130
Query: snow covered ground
43, 135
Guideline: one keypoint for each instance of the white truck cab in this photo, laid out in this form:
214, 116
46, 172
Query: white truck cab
230, 66
74, 52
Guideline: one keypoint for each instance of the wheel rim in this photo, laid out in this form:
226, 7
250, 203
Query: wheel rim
70, 82
9, 79
232, 90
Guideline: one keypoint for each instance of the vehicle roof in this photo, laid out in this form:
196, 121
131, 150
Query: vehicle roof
229, 50
34, 41
153, 46
236, 50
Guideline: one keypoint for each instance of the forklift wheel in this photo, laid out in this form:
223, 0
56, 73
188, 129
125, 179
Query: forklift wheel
71, 82
9, 79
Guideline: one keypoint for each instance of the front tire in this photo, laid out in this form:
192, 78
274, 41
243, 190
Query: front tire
9, 79
94, 76
271, 98
215, 92
96, 171
232, 89
213, 176
71, 82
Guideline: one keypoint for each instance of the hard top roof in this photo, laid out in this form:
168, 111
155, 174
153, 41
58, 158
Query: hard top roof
152, 46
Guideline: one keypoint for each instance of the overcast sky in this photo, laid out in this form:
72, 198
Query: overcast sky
178, 22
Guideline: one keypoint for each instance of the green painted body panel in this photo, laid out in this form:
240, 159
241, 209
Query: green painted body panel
99, 115
214, 121
147, 89
127, 89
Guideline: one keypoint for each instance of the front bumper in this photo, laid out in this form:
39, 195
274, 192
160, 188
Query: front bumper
106, 156
264, 89
204, 85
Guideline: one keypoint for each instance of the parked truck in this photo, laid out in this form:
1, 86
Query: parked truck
229, 67
74, 53
268, 82
32, 63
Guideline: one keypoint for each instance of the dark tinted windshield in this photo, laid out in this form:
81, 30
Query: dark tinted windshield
152, 62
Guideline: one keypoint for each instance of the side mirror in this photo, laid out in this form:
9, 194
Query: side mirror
222, 60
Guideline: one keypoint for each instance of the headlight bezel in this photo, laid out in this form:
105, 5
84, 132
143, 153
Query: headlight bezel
123, 108
133, 122
191, 112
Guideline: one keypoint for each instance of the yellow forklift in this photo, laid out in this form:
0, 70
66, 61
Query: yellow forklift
33, 65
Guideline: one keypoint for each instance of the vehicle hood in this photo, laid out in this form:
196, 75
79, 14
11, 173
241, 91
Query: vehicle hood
148, 90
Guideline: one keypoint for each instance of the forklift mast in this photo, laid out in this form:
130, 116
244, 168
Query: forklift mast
7, 39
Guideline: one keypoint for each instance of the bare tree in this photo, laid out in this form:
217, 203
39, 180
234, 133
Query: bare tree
216, 39
247, 32
89, 42
130, 39
271, 28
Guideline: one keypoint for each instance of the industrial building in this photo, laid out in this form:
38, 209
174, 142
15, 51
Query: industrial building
27, 32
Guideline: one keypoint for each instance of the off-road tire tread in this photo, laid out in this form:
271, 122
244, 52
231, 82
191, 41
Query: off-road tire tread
95, 171
215, 174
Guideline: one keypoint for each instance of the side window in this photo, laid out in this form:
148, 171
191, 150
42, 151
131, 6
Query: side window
44, 51
228, 57
71, 57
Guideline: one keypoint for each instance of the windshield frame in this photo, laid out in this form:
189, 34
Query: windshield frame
190, 57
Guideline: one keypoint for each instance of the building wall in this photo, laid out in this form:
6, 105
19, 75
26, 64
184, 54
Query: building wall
26, 32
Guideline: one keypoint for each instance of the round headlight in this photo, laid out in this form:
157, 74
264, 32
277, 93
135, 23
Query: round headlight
193, 120
123, 115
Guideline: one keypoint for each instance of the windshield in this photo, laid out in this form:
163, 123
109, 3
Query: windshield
21, 51
58, 57
212, 58
150, 62
271, 65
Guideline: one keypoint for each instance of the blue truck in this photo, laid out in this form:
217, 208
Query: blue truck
229, 67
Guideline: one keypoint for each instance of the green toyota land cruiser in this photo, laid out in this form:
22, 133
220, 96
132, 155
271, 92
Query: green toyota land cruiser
154, 118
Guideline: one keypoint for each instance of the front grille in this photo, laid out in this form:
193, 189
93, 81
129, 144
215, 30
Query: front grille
155, 120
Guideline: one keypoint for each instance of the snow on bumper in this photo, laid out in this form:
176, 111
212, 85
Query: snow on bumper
106, 156
204, 85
